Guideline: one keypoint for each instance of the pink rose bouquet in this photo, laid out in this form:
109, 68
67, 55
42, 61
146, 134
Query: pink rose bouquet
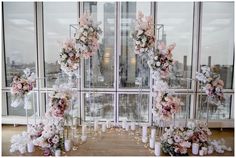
87, 36
162, 60
143, 35
166, 106
69, 57
174, 142
212, 84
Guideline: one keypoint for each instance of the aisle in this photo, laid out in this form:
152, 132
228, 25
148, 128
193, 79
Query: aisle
111, 143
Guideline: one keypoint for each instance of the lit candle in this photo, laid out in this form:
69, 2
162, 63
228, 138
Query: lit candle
103, 127
157, 148
153, 133
144, 131
152, 143
127, 127
124, 124
84, 130
195, 148
132, 126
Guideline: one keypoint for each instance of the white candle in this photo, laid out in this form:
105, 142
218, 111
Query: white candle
201, 152
144, 131
95, 125
153, 133
84, 129
83, 138
127, 127
152, 143
103, 127
204, 150
108, 124
157, 148
124, 124
195, 148
132, 126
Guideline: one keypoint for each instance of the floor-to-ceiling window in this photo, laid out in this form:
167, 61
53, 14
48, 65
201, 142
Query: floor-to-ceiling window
115, 68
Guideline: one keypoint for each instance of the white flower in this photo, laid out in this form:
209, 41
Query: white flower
85, 33
156, 58
137, 42
170, 141
191, 125
158, 63
139, 32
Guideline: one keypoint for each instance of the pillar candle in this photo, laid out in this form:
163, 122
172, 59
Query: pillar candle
204, 150
201, 152
133, 126
95, 125
108, 124
84, 130
144, 134
195, 148
124, 124
152, 143
103, 127
153, 133
127, 127
157, 148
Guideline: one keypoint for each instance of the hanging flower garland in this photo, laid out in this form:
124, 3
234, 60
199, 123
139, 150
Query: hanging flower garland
162, 59
87, 35
212, 84
69, 58
21, 86
143, 35
166, 106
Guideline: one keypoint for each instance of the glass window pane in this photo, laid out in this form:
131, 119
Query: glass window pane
20, 111
129, 107
98, 106
185, 108
215, 112
217, 46
175, 23
57, 19
130, 66
19, 31
103, 61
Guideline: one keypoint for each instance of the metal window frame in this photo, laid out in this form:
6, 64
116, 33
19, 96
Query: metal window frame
39, 37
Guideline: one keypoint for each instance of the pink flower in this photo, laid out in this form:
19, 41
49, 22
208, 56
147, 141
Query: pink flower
19, 85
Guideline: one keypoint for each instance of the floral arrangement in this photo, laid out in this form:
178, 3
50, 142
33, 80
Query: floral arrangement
21, 86
35, 130
19, 142
87, 35
198, 133
69, 57
174, 141
50, 139
212, 84
162, 59
166, 106
59, 102
144, 34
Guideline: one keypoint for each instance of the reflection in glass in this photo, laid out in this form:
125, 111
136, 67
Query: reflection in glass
98, 106
129, 107
57, 19
217, 46
102, 63
176, 23
19, 31
219, 111
131, 66
20, 111
185, 108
